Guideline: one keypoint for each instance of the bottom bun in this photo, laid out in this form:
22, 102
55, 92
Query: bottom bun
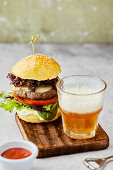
32, 118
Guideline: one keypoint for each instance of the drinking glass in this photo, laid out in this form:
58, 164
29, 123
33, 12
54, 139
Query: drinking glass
81, 99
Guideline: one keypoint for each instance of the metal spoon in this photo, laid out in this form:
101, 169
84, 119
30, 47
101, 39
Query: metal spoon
101, 162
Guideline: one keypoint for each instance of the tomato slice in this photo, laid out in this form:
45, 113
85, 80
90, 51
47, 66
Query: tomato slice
35, 102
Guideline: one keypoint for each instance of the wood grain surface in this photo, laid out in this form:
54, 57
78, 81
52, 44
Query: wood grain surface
51, 140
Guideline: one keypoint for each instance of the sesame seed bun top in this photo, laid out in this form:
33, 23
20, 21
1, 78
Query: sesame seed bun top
38, 67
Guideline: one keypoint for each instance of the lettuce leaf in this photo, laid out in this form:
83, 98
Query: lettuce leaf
47, 107
47, 115
10, 104
5, 94
51, 111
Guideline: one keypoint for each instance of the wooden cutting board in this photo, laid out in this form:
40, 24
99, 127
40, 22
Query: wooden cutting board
51, 140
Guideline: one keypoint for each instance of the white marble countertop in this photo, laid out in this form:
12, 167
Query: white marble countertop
74, 59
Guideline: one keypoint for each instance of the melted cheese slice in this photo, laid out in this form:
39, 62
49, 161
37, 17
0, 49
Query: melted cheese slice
40, 89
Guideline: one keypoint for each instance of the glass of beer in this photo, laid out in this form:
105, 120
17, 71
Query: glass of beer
81, 100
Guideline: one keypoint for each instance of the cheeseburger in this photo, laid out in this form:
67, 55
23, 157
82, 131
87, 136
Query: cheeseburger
34, 95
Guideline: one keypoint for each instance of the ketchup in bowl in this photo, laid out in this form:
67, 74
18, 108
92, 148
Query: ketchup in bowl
16, 153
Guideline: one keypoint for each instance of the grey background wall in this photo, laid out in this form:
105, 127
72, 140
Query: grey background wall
57, 21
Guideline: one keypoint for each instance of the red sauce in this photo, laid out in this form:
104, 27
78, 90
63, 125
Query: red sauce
16, 153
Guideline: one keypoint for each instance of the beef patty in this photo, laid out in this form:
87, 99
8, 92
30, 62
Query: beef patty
35, 95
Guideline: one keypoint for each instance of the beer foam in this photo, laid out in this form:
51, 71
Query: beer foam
79, 101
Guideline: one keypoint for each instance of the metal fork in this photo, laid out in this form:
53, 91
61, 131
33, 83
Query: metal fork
101, 162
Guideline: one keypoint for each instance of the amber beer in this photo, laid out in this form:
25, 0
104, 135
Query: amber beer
80, 111
79, 123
